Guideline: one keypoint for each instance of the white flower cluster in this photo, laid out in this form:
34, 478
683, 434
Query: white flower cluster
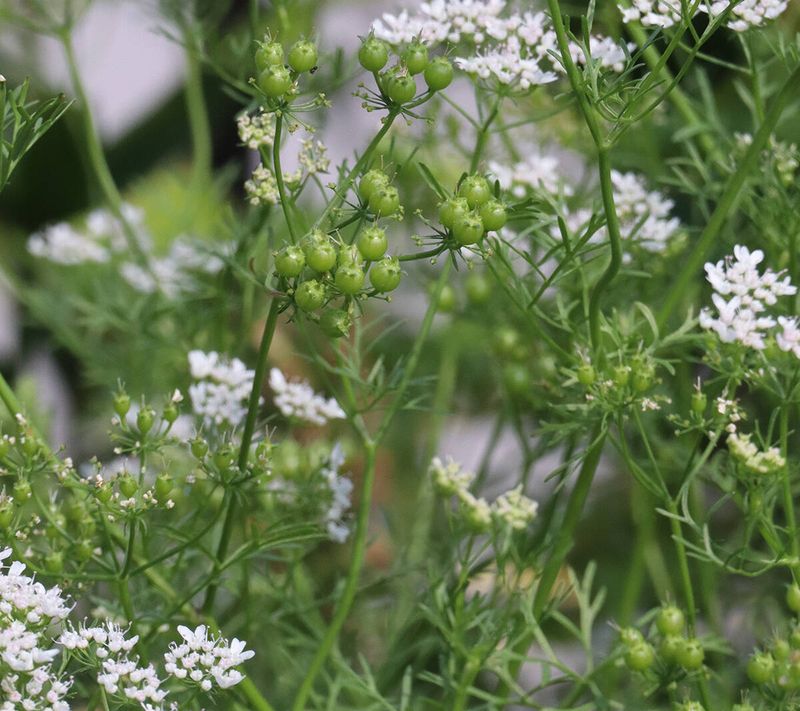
741, 297
744, 14
262, 187
206, 660
511, 48
102, 240
297, 400
752, 458
257, 130
174, 273
223, 389
538, 172
118, 673
643, 214
341, 488
512, 509
516, 509
101, 237
28, 681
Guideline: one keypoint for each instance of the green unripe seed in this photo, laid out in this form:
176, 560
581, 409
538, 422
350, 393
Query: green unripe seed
386, 275
640, 656
401, 88
335, 323
493, 215
468, 230
691, 655
320, 252
303, 56
275, 81
269, 54
478, 288
385, 202
145, 419
586, 374
630, 636
349, 279
438, 74
310, 295
670, 620
452, 210
170, 413
22, 491
163, 486
760, 668
447, 299
128, 486
122, 404
372, 243
793, 597
415, 57
199, 447
371, 182
290, 262
476, 190
668, 648
699, 402
373, 54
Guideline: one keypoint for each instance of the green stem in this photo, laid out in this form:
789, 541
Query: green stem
788, 498
350, 587
97, 157
199, 124
362, 519
483, 135
244, 450
592, 119
690, 267
564, 538
471, 669
276, 164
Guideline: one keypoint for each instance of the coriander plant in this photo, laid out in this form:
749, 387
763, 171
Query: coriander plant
469, 379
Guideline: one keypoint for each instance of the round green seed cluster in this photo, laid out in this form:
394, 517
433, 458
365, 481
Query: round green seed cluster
472, 212
325, 273
398, 83
669, 646
277, 71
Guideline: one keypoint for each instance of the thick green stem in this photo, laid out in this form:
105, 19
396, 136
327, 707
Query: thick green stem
97, 157
729, 196
276, 165
593, 122
199, 124
244, 450
350, 587
483, 135
788, 498
564, 539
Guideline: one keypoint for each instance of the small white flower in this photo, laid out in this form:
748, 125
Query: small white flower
297, 400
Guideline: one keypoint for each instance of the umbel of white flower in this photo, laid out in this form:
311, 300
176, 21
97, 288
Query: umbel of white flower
341, 489
222, 389
28, 681
744, 14
744, 301
297, 400
495, 42
206, 660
